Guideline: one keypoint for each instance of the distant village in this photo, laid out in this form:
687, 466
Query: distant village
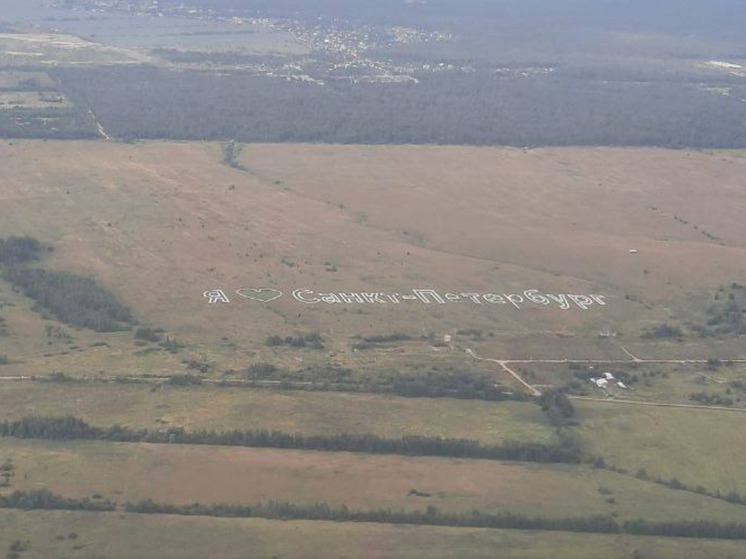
341, 50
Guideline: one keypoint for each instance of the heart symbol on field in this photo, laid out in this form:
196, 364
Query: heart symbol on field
263, 295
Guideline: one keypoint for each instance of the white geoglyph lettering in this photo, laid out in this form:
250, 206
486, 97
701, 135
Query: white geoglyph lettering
330, 298
561, 299
372, 298
424, 294
214, 296
393, 297
534, 296
420, 295
581, 301
302, 295
514, 299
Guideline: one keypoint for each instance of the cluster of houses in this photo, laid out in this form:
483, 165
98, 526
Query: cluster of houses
607, 379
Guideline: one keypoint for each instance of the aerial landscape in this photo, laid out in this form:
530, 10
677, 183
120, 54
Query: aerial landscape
399, 279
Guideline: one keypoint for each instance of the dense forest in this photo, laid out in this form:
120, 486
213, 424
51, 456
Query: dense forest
457, 108
72, 299
71, 428
16, 250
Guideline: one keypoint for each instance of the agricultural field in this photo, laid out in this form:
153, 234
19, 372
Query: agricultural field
24, 80
121, 536
31, 100
183, 474
697, 446
310, 413
30, 49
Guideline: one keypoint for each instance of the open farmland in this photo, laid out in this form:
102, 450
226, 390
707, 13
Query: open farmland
35, 49
698, 447
295, 411
183, 474
29, 100
122, 536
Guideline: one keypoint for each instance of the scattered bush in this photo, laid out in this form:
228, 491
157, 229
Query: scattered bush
370, 341
197, 365
711, 399
312, 340
664, 331
149, 334
260, 370
185, 380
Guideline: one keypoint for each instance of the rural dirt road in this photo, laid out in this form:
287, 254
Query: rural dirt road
535, 392
503, 364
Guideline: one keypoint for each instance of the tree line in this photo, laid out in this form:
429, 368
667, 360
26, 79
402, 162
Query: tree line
46, 500
431, 516
72, 428
434, 382
732, 496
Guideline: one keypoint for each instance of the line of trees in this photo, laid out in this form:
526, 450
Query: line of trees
431, 516
71, 428
695, 529
434, 382
45, 499
732, 496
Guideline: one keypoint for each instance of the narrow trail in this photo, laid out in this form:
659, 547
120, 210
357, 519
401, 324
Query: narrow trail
656, 404
503, 364
624, 349
99, 126
619, 361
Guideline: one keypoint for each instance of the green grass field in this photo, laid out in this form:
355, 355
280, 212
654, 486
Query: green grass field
292, 411
125, 536
706, 447
185, 474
